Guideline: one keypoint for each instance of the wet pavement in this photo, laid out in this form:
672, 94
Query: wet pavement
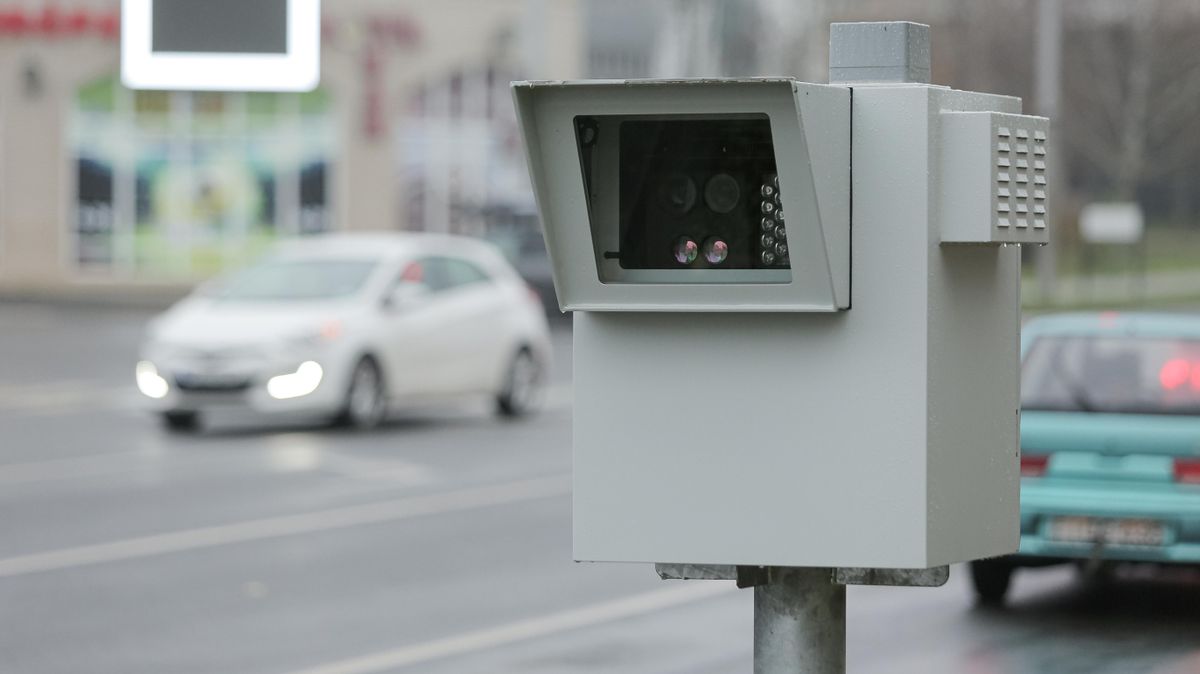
439, 543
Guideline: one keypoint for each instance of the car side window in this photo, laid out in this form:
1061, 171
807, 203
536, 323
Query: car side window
461, 273
439, 274
424, 272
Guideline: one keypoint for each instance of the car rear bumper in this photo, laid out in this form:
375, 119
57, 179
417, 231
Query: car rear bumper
1176, 553
1176, 507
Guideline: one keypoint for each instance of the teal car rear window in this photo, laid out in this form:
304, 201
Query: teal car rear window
1112, 374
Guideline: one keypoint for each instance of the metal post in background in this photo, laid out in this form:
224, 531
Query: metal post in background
1047, 72
799, 623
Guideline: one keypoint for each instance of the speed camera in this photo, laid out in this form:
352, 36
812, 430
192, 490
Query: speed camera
796, 318
693, 196
224, 45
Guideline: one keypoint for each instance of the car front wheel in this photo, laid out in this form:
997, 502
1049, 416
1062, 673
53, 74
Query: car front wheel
366, 399
522, 386
991, 578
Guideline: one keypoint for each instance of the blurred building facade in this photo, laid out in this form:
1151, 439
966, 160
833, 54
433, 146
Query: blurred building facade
104, 190
413, 127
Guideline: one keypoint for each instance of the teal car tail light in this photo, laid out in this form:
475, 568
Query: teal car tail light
1034, 465
1187, 471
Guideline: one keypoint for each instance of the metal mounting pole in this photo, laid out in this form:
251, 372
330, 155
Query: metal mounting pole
800, 613
799, 623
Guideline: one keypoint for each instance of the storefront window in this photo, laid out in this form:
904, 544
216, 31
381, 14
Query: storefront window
176, 185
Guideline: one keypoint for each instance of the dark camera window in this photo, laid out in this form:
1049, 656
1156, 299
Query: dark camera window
683, 198
220, 26
700, 194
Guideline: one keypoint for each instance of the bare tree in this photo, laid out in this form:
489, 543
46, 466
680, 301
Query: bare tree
793, 38
1132, 94
1128, 118
689, 42
742, 37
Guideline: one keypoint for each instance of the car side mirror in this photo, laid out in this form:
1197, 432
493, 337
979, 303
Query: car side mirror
405, 295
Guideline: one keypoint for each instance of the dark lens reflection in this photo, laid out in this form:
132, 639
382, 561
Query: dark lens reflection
722, 193
679, 193
686, 251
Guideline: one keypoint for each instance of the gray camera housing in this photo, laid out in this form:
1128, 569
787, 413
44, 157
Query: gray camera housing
725, 421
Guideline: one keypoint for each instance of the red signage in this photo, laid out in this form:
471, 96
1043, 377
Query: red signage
53, 22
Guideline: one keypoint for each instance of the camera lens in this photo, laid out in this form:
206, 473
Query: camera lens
686, 251
715, 251
678, 193
722, 193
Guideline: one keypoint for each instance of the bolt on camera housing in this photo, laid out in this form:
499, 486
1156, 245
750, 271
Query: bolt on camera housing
797, 313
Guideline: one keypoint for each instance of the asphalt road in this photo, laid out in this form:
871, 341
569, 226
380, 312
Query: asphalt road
438, 544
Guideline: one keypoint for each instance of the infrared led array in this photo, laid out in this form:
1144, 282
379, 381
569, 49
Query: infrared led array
772, 241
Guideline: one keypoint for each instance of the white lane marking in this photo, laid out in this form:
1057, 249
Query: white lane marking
285, 453
67, 396
524, 630
68, 467
395, 472
288, 525
13, 390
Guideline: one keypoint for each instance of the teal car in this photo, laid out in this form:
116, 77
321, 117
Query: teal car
1110, 444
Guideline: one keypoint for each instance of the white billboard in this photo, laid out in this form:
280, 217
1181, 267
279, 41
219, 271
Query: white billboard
221, 45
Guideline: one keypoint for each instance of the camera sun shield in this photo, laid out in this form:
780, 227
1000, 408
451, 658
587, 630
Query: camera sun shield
697, 195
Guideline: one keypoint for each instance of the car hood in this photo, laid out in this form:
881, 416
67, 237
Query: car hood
206, 323
1110, 434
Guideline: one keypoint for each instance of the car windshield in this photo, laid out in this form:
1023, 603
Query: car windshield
296, 279
1112, 374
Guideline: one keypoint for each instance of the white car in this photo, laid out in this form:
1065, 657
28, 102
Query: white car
346, 326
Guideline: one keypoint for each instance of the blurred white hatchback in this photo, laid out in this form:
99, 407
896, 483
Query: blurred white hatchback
347, 326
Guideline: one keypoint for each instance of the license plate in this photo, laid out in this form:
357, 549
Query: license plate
193, 379
1112, 532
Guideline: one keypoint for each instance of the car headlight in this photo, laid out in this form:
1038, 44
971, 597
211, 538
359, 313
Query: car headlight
150, 382
296, 384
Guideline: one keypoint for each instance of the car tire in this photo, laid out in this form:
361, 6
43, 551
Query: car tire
365, 405
181, 422
522, 386
1096, 574
991, 579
